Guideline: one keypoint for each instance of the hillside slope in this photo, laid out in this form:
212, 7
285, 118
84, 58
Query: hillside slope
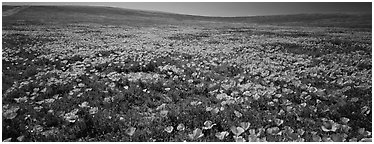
120, 16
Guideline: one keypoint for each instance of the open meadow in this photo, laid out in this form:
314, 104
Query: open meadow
108, 74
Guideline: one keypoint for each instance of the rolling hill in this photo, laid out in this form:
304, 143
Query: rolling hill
120, 16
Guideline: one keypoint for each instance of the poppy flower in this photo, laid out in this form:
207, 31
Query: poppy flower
288, 130
245, 125
273, 130
300, 131
164, 113
93, 110
237, 130
366, 140
316, 138
21, 138
84, 104
181, 127
161, 107
253, 137
130, 131
21, 99
215, 110
363, 132
10, 113
197, 133
294, 136
221, 135
222, 96
329, 125
7, 140
239, 139
71, 116
195, 103
338, 137
278, 122
208, 124
344, 120
326, 139
209, 109
169, 129
238, 114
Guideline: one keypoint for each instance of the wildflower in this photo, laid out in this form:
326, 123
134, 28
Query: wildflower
278, 122
237, 130
21, 138
216, 110
256, 96
81, 85
38, 108
21, 99
40, 102
245, 125
326, 139
43, 90
300, 131
130, 131
181, 127
108, 99
238, 114
329, 125
164, 113
10, 113
8, 140
51, 100
161, 107
252, 137
316, 138
209, 109
239, 139
80, 94
197, 133
194, 103
221, 135
71, 116
338, 137
363, 132
247, 93
208, 124
222, 96
273, 130
84, 104
37, 129
112, 85
36, 89
169, 129
366, 140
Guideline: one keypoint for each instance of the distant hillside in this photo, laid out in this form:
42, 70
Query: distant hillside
330, 20
120, 16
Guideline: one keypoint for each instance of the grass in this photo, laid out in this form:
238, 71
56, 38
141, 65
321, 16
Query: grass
94, 79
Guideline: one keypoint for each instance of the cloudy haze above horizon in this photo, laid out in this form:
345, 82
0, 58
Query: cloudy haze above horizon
228, 9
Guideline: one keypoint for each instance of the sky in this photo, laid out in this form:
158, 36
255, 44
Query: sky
229, 9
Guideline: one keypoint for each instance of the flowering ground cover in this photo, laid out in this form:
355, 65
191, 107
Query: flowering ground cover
202, 81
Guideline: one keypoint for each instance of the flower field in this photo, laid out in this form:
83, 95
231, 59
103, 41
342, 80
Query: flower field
220, 82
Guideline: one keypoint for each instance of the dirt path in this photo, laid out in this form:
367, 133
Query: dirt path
14, 11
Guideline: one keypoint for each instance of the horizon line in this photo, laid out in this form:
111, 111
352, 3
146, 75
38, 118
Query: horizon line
159, 11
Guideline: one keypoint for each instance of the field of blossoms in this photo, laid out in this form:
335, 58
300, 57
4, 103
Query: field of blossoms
220, 82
